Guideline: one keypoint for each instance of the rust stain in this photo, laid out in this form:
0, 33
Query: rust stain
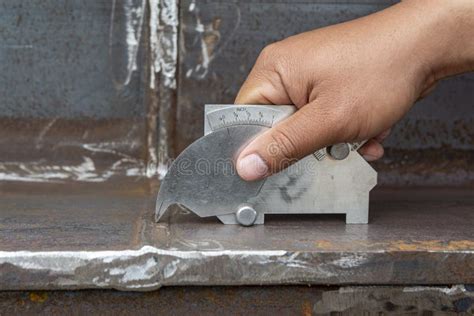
431, 245
38, 297
307, 308
211, 41
398, 245
212, 36
216, 23
211, 296
462, 244
324, 244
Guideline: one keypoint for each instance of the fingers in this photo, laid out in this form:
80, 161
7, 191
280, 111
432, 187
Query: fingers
381, 137
248, 94
309, 129
256, 90
372, 150
296, 137
427, 90
264, 85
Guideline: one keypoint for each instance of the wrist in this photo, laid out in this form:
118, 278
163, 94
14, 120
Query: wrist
447, 36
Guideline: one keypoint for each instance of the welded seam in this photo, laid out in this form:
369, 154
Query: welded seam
163, 21
149, 268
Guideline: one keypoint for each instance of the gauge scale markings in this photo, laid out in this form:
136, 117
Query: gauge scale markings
241, 116
257, 115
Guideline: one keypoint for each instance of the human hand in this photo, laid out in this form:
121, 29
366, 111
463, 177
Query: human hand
355, 80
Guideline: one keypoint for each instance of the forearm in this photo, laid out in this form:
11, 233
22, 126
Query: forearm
448, 35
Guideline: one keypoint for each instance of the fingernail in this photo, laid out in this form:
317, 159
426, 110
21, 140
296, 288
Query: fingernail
370, 157
252, 167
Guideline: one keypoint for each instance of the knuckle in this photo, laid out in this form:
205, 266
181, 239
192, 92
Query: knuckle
285, 145
342, 123
268, 51
270, 55
275, 58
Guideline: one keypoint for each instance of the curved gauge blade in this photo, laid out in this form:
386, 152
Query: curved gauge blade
203, 177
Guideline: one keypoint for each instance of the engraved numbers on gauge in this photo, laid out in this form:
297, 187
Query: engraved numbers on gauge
221, 116
242, 115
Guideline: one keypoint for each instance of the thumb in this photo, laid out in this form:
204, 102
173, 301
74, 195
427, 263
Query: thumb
301, 134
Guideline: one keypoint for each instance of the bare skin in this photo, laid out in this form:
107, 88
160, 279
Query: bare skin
353, 81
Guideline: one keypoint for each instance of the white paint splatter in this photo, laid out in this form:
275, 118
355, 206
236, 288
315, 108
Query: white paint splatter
209, 49
446, 290
85, 171
162, 170
134, 14
71, 260
351, 261
39, 139
128, 269
109, 148
201, 69
17, 46
135, 272
154, 40
208, 244
153, 285
164, 41
170, 269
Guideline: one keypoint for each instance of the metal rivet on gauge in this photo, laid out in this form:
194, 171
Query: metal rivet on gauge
339, 151
246, 215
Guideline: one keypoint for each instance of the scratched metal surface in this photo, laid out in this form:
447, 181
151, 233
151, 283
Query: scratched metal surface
73, 91
70, 59
220, 40
79, 235
90, 102
71, 70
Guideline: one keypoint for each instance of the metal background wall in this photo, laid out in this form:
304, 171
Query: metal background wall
69, 59
72, 90
78, 102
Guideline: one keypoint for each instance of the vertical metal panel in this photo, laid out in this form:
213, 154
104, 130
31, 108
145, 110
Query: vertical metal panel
72, 89
71, 59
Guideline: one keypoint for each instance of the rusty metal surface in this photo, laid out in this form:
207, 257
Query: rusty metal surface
90, 109
73, 216
220, 41
291, 300
400, 220
456, 300
72, 89
56, 150
80, 235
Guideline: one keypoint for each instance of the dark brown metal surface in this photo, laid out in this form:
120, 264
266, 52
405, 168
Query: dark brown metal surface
415, 236
74, 216
291, 300
415, 219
